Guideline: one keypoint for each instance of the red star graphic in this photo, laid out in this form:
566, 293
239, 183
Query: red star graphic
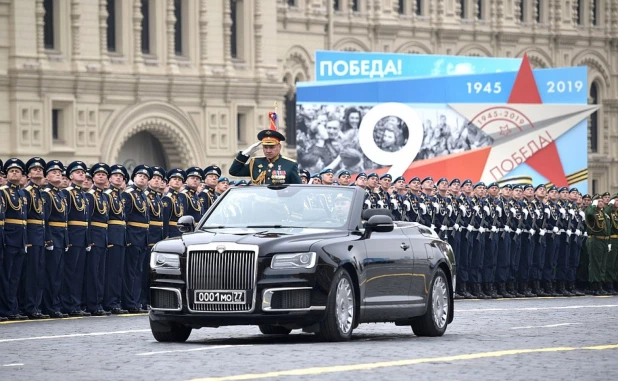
546, 161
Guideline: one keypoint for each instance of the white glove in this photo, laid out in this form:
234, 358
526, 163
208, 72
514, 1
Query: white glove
443, 228
436, 206
252, 149
407, 204
88, 248
368, 203
476, 208
456, 227
463, 208
518, 231
532, 231
578, 232
423, 207
537, 212
494, 229
595, 203
26, 249
582, 214
546, 210
612, 201
482, 229
609, 247
66, 249
585, 234
450, 209
470, 228
542, 232
395, 203
555, 229
525, 210
507, 228
433, 227
572, 212
513, 210
499, 210
486, 209
568, 232
381, 204
49, 248
563, 212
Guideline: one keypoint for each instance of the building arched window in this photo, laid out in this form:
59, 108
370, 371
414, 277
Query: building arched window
594, 118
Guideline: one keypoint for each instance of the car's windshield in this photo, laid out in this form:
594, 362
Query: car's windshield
263, 207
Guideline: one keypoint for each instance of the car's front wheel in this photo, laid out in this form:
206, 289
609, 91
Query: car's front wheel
340, 309
268, 329
435, 320
170, 332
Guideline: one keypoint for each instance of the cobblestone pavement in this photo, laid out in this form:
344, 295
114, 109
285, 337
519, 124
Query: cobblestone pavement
523, 339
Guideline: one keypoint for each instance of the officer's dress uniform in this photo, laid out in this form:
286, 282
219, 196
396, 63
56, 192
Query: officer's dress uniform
413, 209
191, 204
476, 244
56, 239
138, 218
2, 215
155, 234
491, 244
281, 170
116, 246
517, 234
538, 258
464, 215
32, 281
98, 217
505, 240
207, 197
15, 239
565, 208
75, 257
599, 230
611, 266
172, 211
576, 248
552, 246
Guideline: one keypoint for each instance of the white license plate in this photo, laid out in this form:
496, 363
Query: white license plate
220, 297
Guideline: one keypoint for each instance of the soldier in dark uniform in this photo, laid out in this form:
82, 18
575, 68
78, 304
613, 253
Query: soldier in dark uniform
584, 260
75, 257
528, 242
116, 241
172, 205
476, 239
56, 238
506, 238
191, 203
577, 240
138, 218
567, 222
271, 169
445, 212
399, 199
611, 267
371, 197
598, 224
98, 216
344, 177
429, 204
464, 216
2, 211
32, 280
155, 227
516, 227
15, 239
208, 195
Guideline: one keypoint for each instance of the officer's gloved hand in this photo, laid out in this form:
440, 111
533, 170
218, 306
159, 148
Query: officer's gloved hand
499, 210
49, 247
482, 229
572, 212
423, 207
486, 209
542, 232
595, 203
368, 203
578, 232
612, 201
66, 249
443, 228
555, 229
252, 149
537, 212
436, 206
450, 209
476, 208
562, 212
494, 229
407, 204
433, 227
609, 247
462, 208
525, 210
26, 249
470, 228
568, 233
547, 211
88, 248
518, 231
507, 228
582, 214
456, 227
532, 231
513, 211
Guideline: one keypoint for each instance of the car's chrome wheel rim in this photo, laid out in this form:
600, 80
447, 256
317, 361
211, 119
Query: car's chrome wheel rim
440, 302
344, 305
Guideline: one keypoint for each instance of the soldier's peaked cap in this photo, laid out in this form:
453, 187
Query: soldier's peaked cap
100, 167
120, 170
53, 165
270, 137
177, 172
14, 163
35, 162
76, 166
143, 169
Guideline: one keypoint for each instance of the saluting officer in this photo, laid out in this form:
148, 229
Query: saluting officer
32, 281
172, 205
116, 241
208, 195
155, 229
191, 203
270, 169
56, 238
15, 239
137, 217
75, 257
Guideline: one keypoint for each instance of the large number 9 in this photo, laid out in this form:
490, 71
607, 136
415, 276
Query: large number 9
400, 160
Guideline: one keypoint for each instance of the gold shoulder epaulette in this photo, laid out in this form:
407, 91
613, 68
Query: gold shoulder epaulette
68, 189
128, 190
46, 190
91, 191
4, 187
288, 159
183, 191
108, 191
28, 188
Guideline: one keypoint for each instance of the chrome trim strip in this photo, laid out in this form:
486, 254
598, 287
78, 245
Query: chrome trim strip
268, 294
178, 294
229, 246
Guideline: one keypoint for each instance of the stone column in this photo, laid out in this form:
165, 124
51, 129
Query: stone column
227, 37
172, 64
138, 59
75, 45
40, 32
203, 37
257, 27
103, 15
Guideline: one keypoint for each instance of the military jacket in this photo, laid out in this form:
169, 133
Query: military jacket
155, 208
36, 215
15, 216
55, 205
191, 204
172, 211
281, 170
137, 216
613, 217
116, 228
77, 215
207, 198
415, 212
98, 217
598, 223
2, 214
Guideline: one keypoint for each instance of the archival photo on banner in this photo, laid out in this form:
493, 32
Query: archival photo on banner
519, 126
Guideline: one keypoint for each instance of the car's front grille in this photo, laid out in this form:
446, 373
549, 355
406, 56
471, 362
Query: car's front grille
165, 299
227, 270
291, 299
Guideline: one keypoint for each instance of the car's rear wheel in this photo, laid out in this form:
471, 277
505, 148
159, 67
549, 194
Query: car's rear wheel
170, 332
340, 309
435, 320
268, 329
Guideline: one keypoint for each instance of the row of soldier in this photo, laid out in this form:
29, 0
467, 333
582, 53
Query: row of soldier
508, 240
75, 241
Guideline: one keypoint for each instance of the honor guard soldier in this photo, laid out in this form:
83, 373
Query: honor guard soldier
541, 212
116, 241
344, 177
208, 195
445, 208
384, 198
493, 210
270, 169
138, 218
98, 216
2, 211
476, 239
399, 200
75, 257
517, 227
505, 241
155, 229
191, 203
577, 240
223, 185
172, 205
371, 197
32, 281
528, 242
56, 238
14, 239
598, 224
428, 204
611, 268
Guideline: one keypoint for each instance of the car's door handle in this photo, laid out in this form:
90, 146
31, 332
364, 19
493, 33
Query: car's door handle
404, 246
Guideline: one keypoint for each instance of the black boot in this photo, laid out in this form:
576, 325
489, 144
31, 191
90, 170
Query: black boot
457, 294
537, 289
562, 290
609, 288
602, 290
466, 294
573, 289
478, 292
489, 291
596, 289
527, 291
551, 289
504, 291
515, 290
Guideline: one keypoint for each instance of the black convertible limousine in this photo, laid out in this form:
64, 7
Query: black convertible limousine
299, 257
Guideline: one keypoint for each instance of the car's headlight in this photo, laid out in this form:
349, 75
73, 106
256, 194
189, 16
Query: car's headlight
163, 260
293, 261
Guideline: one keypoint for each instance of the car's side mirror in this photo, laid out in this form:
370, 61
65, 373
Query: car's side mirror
186, 224
379, 224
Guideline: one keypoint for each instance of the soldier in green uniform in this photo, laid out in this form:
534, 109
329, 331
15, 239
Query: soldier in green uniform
611, 275
270, 169
598, 225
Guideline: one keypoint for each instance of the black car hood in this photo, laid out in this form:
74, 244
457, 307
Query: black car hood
269, 240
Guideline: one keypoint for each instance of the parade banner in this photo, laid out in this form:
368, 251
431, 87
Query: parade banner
522, 126
345, 66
